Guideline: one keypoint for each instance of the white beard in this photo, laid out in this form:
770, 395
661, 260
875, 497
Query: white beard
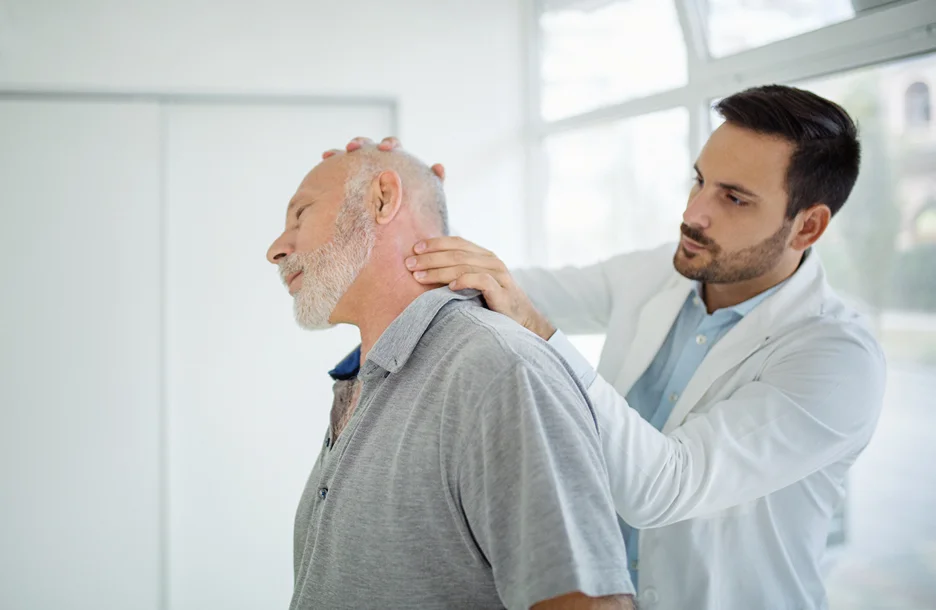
329, 271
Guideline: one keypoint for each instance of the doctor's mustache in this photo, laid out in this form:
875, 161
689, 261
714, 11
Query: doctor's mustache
697, 236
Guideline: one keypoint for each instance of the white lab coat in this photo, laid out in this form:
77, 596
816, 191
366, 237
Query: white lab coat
735, 496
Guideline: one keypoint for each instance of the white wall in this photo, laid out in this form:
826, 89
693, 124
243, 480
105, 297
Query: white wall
455, 69
79, 356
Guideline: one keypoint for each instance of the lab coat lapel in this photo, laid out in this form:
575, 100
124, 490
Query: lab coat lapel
655, 320
801, 296
737, 344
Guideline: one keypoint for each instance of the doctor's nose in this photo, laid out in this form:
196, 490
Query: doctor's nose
698, 210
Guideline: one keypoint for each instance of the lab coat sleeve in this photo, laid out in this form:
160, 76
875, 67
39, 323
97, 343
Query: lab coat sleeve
810, 407
576, 299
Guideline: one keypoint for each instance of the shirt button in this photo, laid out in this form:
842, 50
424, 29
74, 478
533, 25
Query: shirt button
649, 596
673, 397
323, 492
700, 339
696, 301
635, 565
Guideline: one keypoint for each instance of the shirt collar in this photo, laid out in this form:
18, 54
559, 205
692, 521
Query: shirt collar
396, 344
741, 309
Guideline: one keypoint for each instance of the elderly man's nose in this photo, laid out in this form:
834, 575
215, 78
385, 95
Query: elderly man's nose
280, 249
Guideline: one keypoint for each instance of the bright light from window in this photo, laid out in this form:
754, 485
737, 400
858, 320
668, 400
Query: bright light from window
736, 25
616, 187
592, 58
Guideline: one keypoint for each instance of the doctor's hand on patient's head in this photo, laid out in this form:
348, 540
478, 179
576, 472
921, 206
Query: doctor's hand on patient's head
387, 144
464, 265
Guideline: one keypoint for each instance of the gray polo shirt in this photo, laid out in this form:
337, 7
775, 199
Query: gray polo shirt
469, 476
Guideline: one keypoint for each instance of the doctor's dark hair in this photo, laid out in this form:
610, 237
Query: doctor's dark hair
824, 165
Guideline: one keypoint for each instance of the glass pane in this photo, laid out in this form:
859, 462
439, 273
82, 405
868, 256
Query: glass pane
599, 56
881, 251
736, 25
616, 187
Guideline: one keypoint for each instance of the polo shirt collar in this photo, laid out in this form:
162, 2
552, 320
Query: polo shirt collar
396, 344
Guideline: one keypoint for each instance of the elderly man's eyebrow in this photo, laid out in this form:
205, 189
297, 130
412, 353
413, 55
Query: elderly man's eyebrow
304, 200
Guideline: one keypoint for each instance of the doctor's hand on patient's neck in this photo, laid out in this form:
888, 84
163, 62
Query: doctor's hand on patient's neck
463, 265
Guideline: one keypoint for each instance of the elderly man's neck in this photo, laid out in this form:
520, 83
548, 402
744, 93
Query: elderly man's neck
377, 298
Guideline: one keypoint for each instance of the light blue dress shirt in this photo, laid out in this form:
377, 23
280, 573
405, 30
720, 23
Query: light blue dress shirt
655, 394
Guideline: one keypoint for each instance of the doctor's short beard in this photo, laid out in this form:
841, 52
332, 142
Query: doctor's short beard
715, 266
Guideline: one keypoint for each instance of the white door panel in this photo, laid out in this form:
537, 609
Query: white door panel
79, 355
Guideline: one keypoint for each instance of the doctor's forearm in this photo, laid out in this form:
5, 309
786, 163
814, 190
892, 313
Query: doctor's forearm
577, 300
754, 443
645, 466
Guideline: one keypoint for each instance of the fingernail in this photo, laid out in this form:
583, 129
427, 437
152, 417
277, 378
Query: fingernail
411, 262
420, 246
452, 285
419, 275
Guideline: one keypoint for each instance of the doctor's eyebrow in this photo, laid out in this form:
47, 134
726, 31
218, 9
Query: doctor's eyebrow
729, 186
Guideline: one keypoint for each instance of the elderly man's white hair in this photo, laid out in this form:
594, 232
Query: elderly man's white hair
422, 189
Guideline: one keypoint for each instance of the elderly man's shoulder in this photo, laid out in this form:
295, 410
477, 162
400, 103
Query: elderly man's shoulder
485, 343
475, 363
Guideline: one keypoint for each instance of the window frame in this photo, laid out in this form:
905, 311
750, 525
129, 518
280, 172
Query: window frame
892, 32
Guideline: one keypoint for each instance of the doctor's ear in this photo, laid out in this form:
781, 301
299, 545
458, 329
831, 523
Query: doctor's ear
809, 225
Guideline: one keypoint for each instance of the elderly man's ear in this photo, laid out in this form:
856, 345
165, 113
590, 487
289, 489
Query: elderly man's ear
388, 189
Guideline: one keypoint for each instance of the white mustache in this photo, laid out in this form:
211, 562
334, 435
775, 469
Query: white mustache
288, 266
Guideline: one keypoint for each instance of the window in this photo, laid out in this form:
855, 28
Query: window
736, 25
917, 105
616, 186
589, 51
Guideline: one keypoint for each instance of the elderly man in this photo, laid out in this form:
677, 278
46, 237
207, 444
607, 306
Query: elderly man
462, 468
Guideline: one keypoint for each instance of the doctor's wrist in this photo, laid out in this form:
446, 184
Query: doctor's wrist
542, 327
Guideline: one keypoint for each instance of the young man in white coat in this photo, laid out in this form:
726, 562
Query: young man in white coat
735, 389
